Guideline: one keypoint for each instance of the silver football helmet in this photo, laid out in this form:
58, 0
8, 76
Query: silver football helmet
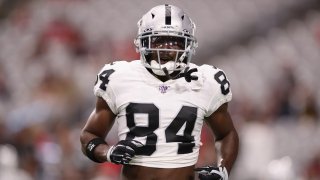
169, 25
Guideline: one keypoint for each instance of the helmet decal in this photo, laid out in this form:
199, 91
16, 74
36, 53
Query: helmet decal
168, 15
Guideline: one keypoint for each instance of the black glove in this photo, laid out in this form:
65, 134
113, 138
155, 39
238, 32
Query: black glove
123, 151
212, 173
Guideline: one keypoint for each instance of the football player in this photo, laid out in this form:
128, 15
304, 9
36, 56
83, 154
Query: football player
160, 103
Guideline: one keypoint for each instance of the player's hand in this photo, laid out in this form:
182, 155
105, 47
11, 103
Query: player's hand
212, 173
123, 151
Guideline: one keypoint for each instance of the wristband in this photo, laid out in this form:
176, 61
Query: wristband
91, 146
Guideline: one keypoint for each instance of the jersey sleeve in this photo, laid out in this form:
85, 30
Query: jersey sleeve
220, 89
103, 86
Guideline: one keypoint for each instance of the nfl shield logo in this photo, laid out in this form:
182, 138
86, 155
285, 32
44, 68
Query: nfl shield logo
163, 88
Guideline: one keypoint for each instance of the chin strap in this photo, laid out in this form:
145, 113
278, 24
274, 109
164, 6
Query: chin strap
167, 73
187, 74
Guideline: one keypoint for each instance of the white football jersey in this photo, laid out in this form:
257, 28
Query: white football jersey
166, 117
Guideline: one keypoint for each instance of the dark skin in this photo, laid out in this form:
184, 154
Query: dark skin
102, 119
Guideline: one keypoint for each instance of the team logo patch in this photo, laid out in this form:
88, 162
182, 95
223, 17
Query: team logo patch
163, 88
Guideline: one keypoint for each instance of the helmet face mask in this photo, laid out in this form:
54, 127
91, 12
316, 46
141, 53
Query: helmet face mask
166, 39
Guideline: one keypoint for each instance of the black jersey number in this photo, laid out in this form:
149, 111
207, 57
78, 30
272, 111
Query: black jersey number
221, 78
104, 77
136, 131
187, 115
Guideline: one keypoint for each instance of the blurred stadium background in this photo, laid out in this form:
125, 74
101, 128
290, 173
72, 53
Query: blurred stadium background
51, 50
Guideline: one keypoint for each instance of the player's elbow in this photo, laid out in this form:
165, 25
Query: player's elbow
82, 136
83, 140
231, 135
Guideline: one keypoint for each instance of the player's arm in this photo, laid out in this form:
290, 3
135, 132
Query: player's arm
222, 126
97, 127
94, 132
